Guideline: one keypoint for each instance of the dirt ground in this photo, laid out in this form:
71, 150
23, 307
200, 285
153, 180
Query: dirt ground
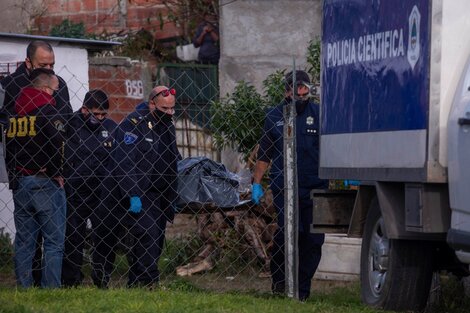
183, 224
186, 223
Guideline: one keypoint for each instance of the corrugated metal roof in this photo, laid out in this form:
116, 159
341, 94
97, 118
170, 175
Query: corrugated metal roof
85, 43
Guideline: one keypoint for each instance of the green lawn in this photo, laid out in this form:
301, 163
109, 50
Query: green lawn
173, 299
180, 295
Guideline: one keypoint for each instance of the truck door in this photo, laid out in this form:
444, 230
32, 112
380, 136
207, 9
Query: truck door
458, 148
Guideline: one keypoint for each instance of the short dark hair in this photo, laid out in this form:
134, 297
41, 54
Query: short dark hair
96, 99
34, 45
301, 77
41, 77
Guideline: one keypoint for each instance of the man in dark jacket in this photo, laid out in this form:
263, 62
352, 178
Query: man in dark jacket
35, 141
146, 158
271, 151
87, 154
39, 54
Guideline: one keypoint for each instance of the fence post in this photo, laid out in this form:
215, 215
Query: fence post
291, 217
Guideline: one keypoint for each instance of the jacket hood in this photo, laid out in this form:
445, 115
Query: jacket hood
31, 99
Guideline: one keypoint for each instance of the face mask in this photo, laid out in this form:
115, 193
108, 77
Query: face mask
92, 121
300, 105
164, 117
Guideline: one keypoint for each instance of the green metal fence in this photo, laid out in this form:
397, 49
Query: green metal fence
196, 85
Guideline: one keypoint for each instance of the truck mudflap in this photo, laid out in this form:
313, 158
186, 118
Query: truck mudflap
459, 240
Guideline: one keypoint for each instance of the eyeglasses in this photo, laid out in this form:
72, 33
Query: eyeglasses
166, 93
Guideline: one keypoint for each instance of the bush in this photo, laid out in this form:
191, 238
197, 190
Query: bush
6, 250
237, 121
69, 29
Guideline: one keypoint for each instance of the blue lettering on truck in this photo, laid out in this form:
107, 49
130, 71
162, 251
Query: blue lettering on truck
375, 65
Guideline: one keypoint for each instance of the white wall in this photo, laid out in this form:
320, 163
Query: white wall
258, 37
6, 209
71, 63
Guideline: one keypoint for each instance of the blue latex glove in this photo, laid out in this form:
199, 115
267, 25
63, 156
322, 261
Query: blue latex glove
136, 205
348, 183
256, 193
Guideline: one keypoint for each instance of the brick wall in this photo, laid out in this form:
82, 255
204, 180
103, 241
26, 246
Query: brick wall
107, 16
126, 82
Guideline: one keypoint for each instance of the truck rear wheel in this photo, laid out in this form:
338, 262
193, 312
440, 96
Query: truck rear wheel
395, 274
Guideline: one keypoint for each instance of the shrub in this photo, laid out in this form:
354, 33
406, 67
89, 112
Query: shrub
69, 29
6, 249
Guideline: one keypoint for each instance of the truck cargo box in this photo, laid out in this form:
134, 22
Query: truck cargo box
389, 73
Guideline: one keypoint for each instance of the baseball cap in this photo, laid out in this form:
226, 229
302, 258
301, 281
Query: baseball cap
301, 78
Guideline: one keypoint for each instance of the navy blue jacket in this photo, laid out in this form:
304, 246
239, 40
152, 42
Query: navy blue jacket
88, 150
307, 140
146, 157
35, 136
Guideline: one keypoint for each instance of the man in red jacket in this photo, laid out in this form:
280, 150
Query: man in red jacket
35, 141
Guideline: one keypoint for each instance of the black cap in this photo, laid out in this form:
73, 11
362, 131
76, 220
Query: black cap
301, 78
96, 98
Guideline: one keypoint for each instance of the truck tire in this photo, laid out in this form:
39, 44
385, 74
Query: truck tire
395, 274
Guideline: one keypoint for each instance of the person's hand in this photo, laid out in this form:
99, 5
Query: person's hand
60, 181
208, 28
256, 193
136, 205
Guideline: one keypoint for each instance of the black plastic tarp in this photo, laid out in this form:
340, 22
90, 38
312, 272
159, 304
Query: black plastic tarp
204, 181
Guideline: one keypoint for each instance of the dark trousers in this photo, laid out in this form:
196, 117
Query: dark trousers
309, 250
147, 235
107, 238
82, 201
147, 231
37, 262
111, 214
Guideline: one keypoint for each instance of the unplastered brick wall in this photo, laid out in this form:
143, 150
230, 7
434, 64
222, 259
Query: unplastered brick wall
107, 16
126, 82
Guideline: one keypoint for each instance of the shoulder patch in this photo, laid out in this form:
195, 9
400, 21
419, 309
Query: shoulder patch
59, 125
130, 138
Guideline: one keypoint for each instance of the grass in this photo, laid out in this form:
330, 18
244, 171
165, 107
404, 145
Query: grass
177, 297
207, 292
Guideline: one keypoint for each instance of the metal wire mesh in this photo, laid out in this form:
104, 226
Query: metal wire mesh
221, 247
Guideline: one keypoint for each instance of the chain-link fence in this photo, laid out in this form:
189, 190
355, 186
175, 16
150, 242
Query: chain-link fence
121, 182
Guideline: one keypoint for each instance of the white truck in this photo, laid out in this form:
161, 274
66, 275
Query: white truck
395, 115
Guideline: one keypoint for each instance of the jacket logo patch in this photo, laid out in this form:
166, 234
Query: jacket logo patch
310, 120
280, 123
22, 126
59, 126
104, 133
130, 138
